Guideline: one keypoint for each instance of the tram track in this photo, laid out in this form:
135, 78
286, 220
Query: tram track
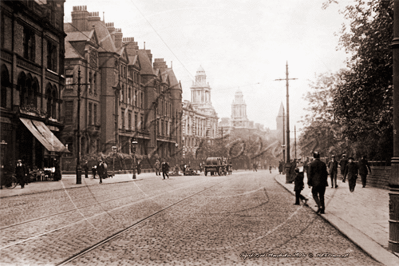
67, 211
120, 232
91, 217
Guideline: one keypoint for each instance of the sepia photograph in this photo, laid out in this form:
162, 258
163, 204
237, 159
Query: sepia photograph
199, 132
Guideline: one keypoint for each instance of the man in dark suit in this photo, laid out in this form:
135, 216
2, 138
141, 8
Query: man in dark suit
317, 179
332, 171
343, 164
20, 173
100, 170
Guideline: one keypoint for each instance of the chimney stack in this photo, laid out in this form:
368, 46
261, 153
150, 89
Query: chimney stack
80, 17
118, 38
149, 54
94, 16
160, 63
131, 46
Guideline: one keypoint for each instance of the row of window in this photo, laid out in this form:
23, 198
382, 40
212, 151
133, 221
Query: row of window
163, 128
137, 124
136, 99
165, 108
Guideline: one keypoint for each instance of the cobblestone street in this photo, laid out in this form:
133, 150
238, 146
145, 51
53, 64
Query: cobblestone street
245, 218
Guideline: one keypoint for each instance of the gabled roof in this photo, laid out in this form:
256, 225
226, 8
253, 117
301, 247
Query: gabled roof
134, 61
146, 67
70, 52
104, 38
76, 36
122, 53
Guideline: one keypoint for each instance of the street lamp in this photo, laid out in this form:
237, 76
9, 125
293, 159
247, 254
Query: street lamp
134, 144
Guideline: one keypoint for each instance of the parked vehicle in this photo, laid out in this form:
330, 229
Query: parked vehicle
215, 165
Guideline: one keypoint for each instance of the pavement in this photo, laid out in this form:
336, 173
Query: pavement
362, 216
67, 182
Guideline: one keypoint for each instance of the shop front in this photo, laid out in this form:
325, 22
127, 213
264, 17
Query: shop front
39, 149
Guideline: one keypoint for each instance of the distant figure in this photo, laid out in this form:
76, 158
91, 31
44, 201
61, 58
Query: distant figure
351, 170
57, 168
333, 171
139, 167
157, 167
165, 169
255, 167
94, 171
280, 167
343, 164
317, 179
100, 170
364, 169
86, 169
20, 173
270, 169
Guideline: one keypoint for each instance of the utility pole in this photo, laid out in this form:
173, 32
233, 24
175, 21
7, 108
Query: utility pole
288, 178
295, 139
284, 138
78, 167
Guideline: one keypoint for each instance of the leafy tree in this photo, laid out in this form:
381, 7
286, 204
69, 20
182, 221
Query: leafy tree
362, 100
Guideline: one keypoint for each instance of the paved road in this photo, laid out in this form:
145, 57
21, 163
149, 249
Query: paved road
246, 218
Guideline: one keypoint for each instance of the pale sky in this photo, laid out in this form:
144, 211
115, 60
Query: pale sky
240, 44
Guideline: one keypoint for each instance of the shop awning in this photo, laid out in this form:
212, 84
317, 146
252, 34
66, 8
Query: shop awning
43, 134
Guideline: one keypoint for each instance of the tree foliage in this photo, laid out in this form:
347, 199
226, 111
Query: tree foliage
355, 104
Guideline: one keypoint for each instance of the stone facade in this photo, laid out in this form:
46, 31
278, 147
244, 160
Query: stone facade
32, 79
200, 120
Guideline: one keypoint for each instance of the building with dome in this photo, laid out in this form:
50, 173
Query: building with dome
199, 120
239, 122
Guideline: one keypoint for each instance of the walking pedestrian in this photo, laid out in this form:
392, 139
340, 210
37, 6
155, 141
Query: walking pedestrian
165, 169
280, 167
270, 168
317, 179
299, 185
364, 169
157, 167
100, 170
20, 173
333, 171
86, 169
351, 170
94, 171
343, 164
57, 170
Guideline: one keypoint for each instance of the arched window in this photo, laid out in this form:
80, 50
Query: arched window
54, 97
5, 83
49, 100
35, 91
21, 85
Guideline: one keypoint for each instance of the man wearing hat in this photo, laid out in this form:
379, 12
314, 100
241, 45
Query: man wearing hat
20, 173
317, 179
343, 164
332, 171
351, 171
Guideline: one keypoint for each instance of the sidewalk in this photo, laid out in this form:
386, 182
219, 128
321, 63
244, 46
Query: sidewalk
68, 181
362, 216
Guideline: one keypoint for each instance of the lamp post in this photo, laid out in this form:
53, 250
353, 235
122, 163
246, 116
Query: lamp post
134, 144
78, 167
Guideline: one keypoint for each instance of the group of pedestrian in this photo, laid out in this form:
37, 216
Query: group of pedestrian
317, 174
351, 169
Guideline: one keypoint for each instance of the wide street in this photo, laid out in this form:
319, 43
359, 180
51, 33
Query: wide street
245, 218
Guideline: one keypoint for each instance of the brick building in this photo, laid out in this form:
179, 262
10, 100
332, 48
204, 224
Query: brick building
121, 91
32, 78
